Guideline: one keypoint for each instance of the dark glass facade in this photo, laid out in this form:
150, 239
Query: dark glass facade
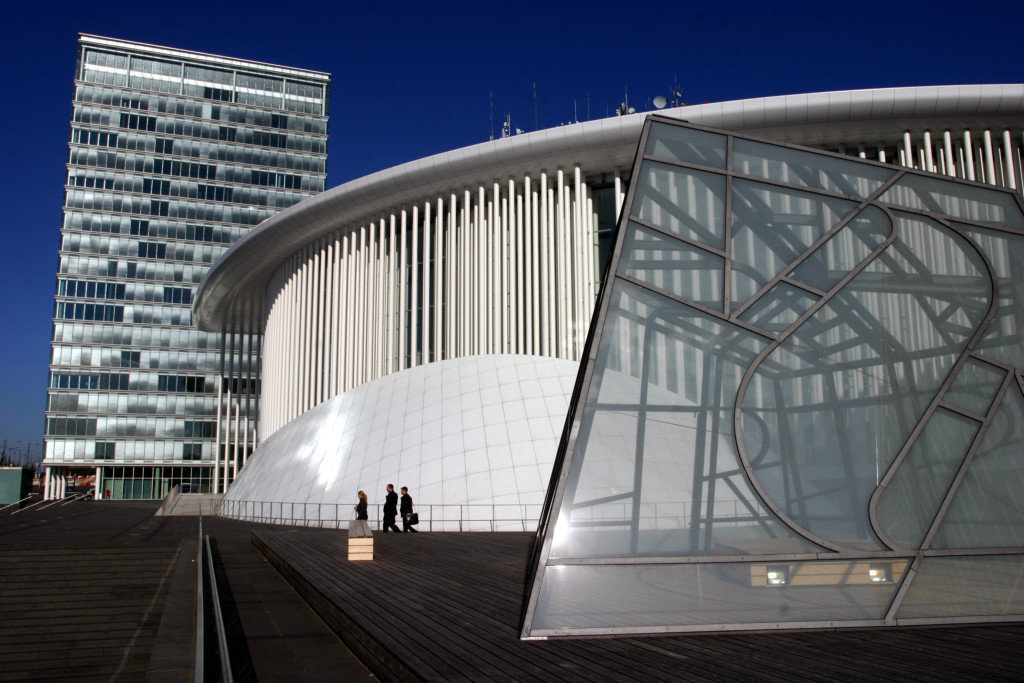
173, 156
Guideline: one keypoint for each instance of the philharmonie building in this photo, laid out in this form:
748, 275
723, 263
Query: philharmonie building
744, 365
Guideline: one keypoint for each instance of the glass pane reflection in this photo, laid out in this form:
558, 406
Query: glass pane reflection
835, 259
623, 596
799, 167
684, 201
772, 227
674, 266
987, 510
656, 471
687, 145
908, 506
975, 387
834, 403
965, 587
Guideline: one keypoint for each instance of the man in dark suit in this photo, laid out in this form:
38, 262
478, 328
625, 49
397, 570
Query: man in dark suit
406, 510
390, 509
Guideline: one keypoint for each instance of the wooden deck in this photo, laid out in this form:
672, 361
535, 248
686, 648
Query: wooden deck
446, 606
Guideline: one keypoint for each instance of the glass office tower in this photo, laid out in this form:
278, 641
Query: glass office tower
173, 156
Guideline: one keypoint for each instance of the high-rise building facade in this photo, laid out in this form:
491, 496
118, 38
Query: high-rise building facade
173, 156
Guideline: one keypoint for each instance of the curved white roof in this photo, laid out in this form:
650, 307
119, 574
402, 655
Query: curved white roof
473, 431
601, 145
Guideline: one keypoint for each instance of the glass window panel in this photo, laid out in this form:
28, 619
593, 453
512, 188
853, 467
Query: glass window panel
1005, 252
975, 387
687, 145
946, 587
834, 260
674, 266
827, 411
626, 596
959, 200
907, 507
779, 308
988, 510
800, 167
657, 473
684, 201
773, 226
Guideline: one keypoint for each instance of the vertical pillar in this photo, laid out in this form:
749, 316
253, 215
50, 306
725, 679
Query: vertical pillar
929, 162
990, 164
1010, 177
947, 144
969, 155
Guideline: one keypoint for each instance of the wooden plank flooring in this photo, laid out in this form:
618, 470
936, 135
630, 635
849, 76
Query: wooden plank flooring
446, 606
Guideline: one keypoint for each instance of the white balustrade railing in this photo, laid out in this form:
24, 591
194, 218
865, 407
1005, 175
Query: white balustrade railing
433, 517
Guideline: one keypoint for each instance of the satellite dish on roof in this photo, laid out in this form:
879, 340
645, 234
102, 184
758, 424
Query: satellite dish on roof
660, 101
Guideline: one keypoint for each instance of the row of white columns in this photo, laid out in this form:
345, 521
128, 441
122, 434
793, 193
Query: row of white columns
986, 156
505, 267
237, 402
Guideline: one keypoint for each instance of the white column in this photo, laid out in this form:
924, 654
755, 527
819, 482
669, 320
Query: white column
561, 233
414, 286
929, 163
947, 144
494, 268
403, 298
482, 323
968, 156
990, 164
392, 327
427, 298
465, 302
908, 150
545, 258
440, 267
519, 291
1008, 172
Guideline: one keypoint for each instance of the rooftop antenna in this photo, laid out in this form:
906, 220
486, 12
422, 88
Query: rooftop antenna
536, 126
492, 115
624, 107
677, 93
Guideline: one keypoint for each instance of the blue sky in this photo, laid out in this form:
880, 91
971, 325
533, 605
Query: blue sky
415, 78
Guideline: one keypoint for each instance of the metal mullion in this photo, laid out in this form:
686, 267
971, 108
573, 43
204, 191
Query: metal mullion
946, 501
966, 464
972, 552
963, 412
817, 244
674, 235
954, 371
748, 375
691, 304
554, 498
727, 225
769, 558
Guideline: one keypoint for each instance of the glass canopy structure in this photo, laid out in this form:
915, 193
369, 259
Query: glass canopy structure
801, 402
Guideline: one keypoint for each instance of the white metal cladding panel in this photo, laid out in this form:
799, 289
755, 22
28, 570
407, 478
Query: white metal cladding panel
480, 430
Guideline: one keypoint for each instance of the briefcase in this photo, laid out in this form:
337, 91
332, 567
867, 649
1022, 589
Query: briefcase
411, 518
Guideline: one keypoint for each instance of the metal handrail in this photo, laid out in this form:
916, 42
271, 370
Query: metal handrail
222, 638
17, 502
492, 517
199, 643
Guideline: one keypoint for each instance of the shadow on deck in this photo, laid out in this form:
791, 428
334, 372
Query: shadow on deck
446, 606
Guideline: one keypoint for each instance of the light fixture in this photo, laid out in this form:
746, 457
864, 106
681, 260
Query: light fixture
880, 573
778, 575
